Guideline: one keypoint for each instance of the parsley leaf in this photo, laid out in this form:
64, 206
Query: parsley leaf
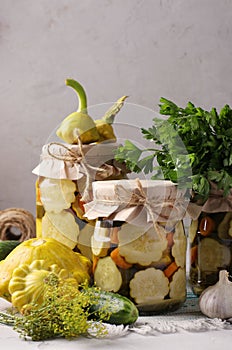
194, 148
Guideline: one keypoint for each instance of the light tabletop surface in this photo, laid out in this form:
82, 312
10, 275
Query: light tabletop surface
182, 338
213, 340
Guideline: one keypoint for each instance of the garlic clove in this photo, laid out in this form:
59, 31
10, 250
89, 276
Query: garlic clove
216, 301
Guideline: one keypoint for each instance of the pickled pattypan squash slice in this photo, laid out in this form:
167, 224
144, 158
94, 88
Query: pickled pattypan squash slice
144, 250
57, 195
178, 285
107, 276
148, 286
62, 227
213, 255
180, 245
28, 282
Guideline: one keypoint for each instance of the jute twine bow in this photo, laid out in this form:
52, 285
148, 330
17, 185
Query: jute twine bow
77, 158
71, 156
20, 219
139, 198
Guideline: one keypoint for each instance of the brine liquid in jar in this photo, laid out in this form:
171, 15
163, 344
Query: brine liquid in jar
147, 265
210, 249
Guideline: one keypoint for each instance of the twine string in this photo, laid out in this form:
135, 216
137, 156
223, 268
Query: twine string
77, 158
139, 198
70, 156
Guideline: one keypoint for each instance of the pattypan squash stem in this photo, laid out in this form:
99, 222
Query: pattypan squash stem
80, 93
109, 116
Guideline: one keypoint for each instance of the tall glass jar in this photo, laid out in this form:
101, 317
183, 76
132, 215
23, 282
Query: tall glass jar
64, 183
139, 244
210, 248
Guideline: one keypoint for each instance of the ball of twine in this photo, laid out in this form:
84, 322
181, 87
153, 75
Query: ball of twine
17, 224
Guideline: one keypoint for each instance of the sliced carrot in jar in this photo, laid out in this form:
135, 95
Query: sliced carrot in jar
207, 226
171, 269
81, 203
119, 260
95, 260
193, 254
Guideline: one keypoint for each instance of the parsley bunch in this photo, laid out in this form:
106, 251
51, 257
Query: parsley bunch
192, 147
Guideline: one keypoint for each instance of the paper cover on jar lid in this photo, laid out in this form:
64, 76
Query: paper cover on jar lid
137, 201
216, 202
64, 161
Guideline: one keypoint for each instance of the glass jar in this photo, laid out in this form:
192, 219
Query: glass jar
134, 252
210, 248
140, 265
64, 183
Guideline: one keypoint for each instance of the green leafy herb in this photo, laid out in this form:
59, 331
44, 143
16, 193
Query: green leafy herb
65, 312
195, 148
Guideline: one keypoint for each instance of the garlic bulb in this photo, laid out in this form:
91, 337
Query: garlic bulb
216, 301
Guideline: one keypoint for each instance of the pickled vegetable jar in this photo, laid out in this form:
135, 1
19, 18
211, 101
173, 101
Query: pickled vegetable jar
210, 248
139, 244
64, 178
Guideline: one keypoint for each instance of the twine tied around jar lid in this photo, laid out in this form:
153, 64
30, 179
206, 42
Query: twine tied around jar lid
124, 200
71, 156
77, 157
138, 197
77, 161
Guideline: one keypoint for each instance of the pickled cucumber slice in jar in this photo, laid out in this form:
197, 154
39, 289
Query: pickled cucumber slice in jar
107, 276
180, 245
100, 241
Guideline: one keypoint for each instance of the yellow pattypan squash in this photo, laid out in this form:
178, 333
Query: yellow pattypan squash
28, 282
48, 249
104, 125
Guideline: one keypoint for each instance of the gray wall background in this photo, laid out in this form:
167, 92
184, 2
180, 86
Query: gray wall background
179, 49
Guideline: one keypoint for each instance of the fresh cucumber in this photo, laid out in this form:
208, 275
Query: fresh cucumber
121, 309
6, 247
